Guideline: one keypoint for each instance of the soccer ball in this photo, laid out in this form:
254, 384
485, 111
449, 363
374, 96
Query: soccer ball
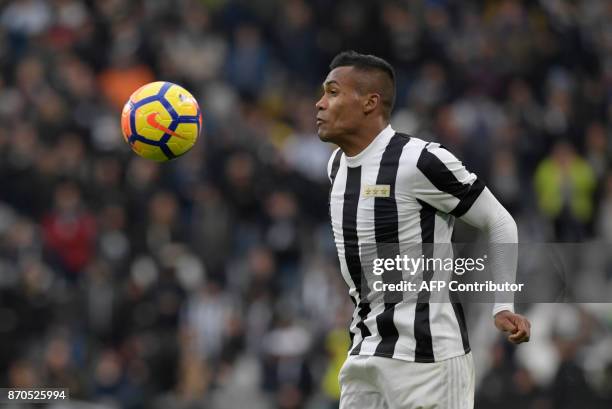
161, 121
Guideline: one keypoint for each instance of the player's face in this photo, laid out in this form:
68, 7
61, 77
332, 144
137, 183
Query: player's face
340, 109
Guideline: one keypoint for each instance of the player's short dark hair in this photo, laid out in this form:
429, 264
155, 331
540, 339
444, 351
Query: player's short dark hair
370, 63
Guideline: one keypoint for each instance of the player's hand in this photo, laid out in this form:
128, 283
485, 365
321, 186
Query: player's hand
516, 325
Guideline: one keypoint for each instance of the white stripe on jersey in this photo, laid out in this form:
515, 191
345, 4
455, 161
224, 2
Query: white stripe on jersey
365, 224
336, 214
430, 187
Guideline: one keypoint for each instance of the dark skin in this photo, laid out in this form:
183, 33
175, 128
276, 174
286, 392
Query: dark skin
516, 326
350, 114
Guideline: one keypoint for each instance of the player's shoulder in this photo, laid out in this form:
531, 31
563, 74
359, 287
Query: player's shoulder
414, 142
414, 148
420, 156
418, 148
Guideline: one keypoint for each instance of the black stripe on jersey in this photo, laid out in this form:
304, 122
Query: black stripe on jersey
335, 166
474, 190
351, 247
443, 179
387, 241
458, 309
422, 329
332, 176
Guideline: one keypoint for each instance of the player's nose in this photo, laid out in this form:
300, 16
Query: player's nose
321, 103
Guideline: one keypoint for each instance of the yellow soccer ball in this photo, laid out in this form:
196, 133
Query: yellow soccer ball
161, 121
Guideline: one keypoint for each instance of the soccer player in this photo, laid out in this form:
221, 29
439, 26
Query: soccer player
388, 187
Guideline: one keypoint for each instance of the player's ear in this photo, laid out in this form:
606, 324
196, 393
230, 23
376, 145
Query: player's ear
370, 103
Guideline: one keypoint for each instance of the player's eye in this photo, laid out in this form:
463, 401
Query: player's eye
332, 92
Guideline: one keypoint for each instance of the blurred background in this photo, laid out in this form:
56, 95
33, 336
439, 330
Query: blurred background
212, 281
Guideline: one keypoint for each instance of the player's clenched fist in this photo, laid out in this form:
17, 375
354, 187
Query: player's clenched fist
516, 325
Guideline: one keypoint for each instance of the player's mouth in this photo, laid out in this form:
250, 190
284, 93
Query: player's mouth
319, 121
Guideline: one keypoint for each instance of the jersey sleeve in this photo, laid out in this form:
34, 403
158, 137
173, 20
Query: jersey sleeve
487, 214
443, 182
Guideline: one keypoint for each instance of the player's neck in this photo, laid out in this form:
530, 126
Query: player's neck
355, 144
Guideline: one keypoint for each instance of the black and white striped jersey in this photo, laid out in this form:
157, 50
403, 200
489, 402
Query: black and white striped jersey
399, 189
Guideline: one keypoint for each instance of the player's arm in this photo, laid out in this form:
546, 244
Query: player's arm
444, 183
487, 214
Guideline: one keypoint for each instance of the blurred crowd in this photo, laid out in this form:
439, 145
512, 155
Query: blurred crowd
212, 281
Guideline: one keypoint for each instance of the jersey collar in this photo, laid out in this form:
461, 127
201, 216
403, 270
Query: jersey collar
380, 140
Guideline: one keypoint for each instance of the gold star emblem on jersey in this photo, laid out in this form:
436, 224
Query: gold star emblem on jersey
377, 191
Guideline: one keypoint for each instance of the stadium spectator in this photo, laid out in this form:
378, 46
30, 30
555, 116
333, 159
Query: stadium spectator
565, 184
